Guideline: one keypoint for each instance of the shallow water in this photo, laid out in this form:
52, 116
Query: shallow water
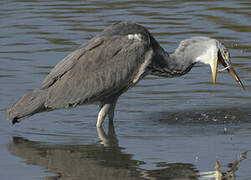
164, 128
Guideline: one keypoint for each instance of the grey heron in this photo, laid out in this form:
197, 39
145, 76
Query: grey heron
111, 63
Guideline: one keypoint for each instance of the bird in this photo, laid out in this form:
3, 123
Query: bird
112, 62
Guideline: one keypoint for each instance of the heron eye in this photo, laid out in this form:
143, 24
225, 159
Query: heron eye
225, 53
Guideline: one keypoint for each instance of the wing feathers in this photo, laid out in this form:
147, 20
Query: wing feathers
68, 62
99, 72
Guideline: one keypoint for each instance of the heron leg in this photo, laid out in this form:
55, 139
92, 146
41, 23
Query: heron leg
111, 112
106, 108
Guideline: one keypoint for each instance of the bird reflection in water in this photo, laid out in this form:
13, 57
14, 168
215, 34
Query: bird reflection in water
104, 160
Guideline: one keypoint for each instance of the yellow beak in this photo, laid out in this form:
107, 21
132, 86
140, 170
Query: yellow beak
214, 69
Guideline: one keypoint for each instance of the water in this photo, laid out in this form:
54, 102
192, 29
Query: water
164, 128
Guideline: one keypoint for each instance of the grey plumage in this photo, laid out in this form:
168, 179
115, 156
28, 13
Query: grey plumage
98, 71
75, 87
108, 65
28, 105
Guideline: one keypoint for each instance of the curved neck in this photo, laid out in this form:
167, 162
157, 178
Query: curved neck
170, 65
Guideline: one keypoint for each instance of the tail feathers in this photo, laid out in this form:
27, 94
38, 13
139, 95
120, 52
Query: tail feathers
29, 104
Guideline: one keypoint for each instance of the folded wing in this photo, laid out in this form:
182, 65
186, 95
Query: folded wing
100, 69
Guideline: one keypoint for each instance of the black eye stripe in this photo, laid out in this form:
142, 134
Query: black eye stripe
221, 58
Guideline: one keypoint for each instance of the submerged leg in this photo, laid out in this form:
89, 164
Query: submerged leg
109, 139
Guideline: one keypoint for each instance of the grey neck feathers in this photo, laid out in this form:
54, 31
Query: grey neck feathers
170, 65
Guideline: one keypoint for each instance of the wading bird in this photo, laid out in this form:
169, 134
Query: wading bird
111, 63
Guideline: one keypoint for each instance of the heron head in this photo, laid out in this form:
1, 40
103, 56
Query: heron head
223, 58
208, 51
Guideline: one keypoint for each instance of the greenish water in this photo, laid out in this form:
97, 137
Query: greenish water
164, 128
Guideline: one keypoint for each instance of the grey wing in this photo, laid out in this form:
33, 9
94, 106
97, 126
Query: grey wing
68, 62
113, 64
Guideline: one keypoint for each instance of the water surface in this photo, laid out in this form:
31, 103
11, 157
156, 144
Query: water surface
164, 128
